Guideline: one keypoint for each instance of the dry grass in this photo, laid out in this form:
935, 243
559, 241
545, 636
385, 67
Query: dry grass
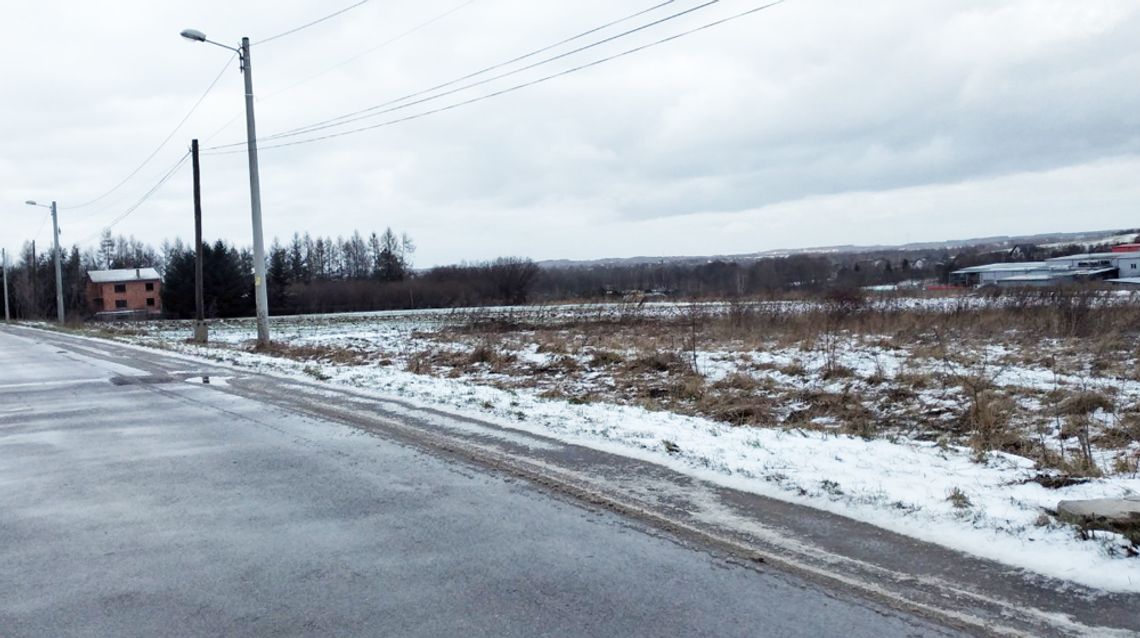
320, 353
651, 361
942, 383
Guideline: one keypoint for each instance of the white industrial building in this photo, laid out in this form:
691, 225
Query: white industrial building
1072, 268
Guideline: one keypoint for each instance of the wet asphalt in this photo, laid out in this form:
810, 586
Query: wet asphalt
153, 507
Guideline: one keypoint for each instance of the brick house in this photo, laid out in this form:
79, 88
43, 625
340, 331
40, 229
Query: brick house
129, 292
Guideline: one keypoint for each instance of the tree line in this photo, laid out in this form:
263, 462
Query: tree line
309, 274
304, 275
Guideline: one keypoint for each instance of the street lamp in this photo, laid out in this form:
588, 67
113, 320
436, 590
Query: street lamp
260, 294
58, 268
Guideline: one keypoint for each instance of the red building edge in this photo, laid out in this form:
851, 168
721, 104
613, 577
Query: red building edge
135, 293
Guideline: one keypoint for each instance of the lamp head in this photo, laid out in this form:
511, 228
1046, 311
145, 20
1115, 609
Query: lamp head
194, 34
31, 203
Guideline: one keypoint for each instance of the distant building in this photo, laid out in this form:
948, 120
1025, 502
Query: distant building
123, 294
1131, 283
993, 273
1058, 270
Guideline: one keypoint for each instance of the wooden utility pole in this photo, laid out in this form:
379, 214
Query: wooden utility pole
4, 258
201, 333
35, 290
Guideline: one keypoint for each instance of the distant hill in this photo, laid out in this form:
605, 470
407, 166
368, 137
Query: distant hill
1087, 238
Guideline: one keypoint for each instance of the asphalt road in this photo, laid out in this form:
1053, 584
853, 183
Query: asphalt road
137, 508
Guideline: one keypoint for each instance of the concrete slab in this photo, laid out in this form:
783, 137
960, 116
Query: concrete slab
1121, 515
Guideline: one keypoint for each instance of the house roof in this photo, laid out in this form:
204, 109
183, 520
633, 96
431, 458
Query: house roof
123, 274
1087, 256
1002, 267
1126, 281
1056, 274
1031, 277
1087, 272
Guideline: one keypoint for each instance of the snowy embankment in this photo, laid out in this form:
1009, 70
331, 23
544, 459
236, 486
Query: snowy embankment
984, 505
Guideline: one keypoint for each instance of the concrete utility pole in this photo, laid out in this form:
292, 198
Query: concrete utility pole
58, 267
259, 281
201, 332
4, 257
255, 203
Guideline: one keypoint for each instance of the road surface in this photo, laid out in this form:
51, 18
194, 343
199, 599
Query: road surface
132, 505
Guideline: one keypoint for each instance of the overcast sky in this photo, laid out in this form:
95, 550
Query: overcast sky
814, 122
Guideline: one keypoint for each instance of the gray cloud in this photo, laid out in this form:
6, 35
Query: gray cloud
812, 107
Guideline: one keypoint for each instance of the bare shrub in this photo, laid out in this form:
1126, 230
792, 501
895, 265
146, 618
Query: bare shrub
793, 369
847, 408
1085, 403
687, 387
1077, 411
484, 353
739, 381
603, 358
987, 418
914, 380
548, 344
739, 410
419, 363
959, 499
658, 362
560, 365
837, 371
843, 302
312, 352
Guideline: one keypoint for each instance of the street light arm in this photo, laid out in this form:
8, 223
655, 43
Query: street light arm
198, 36
224, 46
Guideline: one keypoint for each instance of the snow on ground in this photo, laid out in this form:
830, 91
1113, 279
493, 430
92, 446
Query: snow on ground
936, 492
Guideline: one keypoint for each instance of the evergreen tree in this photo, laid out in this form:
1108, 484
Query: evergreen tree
278, 279
227, 284
298, 264
389, 262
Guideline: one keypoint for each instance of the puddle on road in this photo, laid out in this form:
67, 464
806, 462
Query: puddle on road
143, 380
208, 379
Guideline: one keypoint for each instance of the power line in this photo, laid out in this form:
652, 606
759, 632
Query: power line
223, 127
47, 216
516, 87
313, 23
146, 196
383, 44
379, 109
161, 144
310, 78
502, 64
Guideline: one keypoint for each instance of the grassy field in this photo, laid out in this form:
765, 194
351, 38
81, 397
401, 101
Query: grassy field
1054, 377
961, 420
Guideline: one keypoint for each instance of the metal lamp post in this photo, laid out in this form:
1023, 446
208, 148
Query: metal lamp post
58, 267
259, 282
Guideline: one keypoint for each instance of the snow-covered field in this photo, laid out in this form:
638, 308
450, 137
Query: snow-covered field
863, 425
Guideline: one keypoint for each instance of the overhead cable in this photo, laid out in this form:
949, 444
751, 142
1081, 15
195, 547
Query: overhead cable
379, 109
516, 87
161, 144
493, 67
39, 230
383, 44
146, 196
310, 78
313, 23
